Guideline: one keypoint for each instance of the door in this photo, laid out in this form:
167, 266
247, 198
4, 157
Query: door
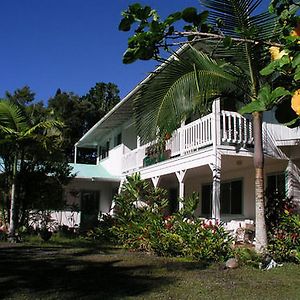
89, 209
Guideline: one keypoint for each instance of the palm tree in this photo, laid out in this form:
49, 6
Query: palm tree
184, 86
18, 133
187, 84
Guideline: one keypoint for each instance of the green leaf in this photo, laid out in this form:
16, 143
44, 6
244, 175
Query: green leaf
284, 60
252, 107
125, 24
227, 42
203, 16
155, 26
145, 53
173, 18
297, 74
296, 61
278, 93
189, 14
293, 122
266, 99
129, 56
134, 8
269, 69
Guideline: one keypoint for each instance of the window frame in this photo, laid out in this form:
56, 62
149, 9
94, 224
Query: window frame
224, 182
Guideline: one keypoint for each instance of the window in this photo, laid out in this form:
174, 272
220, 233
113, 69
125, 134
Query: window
206, 199
276, 183
230, 198
103, 150
118, 140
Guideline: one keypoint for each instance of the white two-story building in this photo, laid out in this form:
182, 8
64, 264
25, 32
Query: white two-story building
212, 155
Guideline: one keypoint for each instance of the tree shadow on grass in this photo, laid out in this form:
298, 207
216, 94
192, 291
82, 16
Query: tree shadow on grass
49, 273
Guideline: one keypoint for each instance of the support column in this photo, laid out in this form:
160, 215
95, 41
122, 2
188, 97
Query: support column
180, 177
155, 181
75, 153
98, 155
216, 174
121, 184
216, 165
113, 204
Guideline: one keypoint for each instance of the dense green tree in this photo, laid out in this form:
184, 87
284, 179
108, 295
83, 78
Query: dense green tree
79, 114
22, 96
21, 142
233, 31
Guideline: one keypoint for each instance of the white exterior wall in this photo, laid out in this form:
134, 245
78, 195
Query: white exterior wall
113, 163
105, 190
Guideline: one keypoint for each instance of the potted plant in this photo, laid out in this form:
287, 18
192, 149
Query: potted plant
44, 223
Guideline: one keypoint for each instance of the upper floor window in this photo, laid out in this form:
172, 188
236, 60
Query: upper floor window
118, 140
103, 150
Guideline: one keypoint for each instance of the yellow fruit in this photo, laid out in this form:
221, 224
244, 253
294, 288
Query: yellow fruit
296, 102
276, 53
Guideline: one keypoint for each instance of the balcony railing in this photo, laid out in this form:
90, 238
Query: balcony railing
233, 129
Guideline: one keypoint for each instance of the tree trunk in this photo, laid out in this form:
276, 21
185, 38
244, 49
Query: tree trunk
12, 219
260, 222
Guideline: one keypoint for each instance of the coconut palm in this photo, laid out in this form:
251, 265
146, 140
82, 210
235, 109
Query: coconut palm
185, 86
188, 84
17, 134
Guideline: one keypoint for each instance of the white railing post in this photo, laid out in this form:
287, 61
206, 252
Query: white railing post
98, 155
215, 123
181, 139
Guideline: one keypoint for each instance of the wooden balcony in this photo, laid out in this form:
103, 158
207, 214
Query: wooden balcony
217, 128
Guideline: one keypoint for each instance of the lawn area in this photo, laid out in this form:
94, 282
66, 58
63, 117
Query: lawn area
87, 270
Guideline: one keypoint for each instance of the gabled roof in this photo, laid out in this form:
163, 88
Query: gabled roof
121, 112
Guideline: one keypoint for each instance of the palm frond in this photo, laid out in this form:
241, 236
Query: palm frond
11, 117
241, 20
44, 125
182, 87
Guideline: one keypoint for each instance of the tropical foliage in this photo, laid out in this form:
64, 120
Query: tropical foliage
148, 226
21, 139
283, 224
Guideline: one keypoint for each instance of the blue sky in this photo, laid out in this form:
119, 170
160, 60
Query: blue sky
69, 44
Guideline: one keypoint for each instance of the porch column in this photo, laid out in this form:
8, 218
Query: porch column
216, 165
121, 184
216, 174
75, 153
180, 177
113, 204
98, 155
155, 181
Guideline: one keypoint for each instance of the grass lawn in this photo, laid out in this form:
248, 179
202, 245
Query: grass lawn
85, 270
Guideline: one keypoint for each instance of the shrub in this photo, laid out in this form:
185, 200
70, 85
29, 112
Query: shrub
283, 224
247, 256
284, 241
144, 227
